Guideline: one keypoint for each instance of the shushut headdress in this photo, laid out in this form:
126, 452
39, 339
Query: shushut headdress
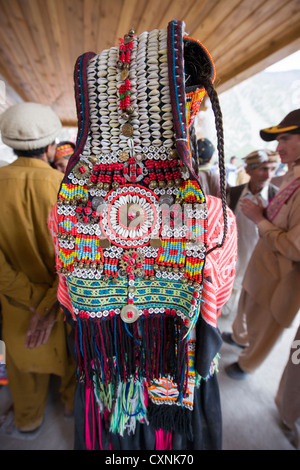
132, 226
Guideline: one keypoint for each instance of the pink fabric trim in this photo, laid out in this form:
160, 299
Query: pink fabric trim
87, 428
163, 440
90, 440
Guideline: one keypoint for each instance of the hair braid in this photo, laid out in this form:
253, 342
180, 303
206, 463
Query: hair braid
213, 96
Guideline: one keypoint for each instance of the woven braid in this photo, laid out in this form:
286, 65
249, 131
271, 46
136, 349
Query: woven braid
213, 96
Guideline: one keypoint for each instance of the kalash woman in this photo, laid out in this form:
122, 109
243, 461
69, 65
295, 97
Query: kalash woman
146, 260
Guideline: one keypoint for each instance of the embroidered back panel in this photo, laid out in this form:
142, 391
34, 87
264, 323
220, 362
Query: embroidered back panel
132, 226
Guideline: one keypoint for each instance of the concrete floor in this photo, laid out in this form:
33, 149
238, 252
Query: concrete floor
250, 417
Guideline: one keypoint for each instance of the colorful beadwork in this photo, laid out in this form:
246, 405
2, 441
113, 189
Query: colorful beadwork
133, 229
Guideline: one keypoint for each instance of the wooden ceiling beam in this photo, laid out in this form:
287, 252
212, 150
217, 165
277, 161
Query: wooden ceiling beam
258, 63
40, 40
269, 42
244, 34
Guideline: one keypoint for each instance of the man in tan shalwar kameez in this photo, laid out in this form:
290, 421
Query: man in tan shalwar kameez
34, 331
288, 394
270, 298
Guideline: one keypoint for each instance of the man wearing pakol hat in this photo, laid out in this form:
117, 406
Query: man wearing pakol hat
208, 178
33, 329
270, 298
260, 166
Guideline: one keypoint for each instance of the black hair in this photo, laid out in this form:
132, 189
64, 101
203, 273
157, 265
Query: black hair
198, 74
30, 153
35, 153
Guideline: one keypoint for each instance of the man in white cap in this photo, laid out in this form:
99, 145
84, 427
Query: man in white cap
260, 166
270, 298
33, 329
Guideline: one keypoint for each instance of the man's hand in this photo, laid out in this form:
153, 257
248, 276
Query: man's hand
252, 210
40, 327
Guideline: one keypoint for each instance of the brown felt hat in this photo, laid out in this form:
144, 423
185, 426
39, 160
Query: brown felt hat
258, 157
290, 124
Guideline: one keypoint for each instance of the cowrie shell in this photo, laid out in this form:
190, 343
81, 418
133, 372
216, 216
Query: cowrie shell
140, 63
94, 119
102, 88
167, 125
153, 69
166, 108
152, 76
153, 93
102, 96
145, 135
154, 109
101, 81
141, 85
106, 135
165, 89
142, 96
167, 116
144, 127
156, 142
142, 106
155, 117
104, 127
114, 123
153, 85
112, 107
96, 135
144, 118
168, 134
168, 143
163, 66
154, 101
114, 115
164, 81
154, 125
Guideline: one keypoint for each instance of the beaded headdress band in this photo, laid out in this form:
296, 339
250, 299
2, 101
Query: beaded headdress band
132, 227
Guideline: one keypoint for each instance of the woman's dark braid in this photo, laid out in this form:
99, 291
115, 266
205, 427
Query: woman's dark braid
207, 83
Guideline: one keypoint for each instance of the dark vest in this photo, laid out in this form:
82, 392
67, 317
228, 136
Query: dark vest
234, 194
